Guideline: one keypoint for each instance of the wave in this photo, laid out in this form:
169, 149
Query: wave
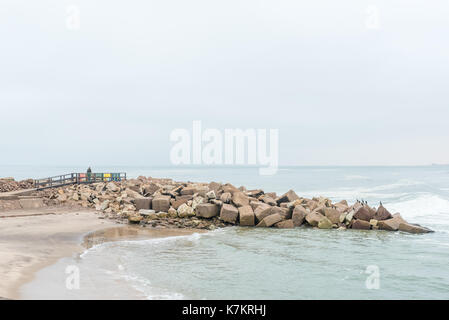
98, 247
425, 207
141, 285
194, 237
375, 192
356, 177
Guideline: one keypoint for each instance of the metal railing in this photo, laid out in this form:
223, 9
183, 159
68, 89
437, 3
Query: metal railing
77, 178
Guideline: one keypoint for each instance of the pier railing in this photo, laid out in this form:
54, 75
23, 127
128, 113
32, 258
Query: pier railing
77, 178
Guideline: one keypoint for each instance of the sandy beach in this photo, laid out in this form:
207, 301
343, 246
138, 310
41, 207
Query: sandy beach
35, 238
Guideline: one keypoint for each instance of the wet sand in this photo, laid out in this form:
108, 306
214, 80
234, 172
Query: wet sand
33, 239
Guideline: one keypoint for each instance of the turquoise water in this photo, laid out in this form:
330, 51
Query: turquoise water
303, 263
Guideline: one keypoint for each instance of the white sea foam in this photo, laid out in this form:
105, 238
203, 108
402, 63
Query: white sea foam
424, 208
356, 177
375, 192
143, 285
154, 241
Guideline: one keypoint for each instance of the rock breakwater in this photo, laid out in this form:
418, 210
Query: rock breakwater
9, 184
166, 203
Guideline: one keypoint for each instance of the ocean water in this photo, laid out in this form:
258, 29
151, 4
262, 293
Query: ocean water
301, 263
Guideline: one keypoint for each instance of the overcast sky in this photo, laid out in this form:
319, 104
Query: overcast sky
348, 82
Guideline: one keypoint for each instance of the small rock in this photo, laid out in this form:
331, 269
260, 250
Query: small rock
105, 205
373, 222
211, 195
135, 219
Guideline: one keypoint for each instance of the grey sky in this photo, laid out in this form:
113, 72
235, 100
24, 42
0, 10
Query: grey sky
111, 92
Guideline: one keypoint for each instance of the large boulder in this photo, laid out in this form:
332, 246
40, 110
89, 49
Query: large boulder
179, 200
262, 212
332, 214
286, 224
268, 200
325, 223
255, 203
207, 210
197, 201
185, 211
349, 216
364, 213
215, 186
246, 216
133, 194
254, 193
112, 187
172, 212
188, 191
261, 207
342, 206
287, 197
135, 218
150, 189
142, 203
161, 203
226, 197
391, 224
361, 225
285, 212
211, 195
413, 228
150, 214
239, 199
229, 188
105, 204
270, 220
229, 213
298, 215
313, 218
382, 214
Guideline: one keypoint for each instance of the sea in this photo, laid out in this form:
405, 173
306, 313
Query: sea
250, 263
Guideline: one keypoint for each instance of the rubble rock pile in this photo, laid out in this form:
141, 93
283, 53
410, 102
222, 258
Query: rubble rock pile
9, 184
166, 203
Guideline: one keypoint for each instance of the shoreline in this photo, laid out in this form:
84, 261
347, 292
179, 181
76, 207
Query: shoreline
44, 236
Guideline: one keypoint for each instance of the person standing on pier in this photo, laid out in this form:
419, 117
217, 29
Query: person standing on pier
89, 173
